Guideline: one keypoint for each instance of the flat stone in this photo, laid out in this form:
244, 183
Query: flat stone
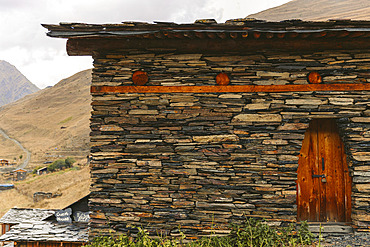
110, 128
123, 218
331, 228
230, 96
185, 57
105, 171
288, 158
258, 106
293, 126
270, 82
361, 119
216, 138
104, 200
257, 118
362, 168
216, 205
361, 179
361, 156
305, 102
273, 74
155, 163
362, 174
275, 142
341, 101
143, 112
363, 187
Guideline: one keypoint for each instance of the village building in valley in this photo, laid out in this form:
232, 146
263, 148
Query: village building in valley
27, 227
204, 124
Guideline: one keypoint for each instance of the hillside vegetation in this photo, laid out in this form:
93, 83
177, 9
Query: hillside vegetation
317, 10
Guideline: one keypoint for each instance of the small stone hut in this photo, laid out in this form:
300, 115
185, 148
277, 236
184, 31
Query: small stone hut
199, 125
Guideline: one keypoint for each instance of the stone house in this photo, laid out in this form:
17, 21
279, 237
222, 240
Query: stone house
19, 174
26, 227
199, 125
4, 162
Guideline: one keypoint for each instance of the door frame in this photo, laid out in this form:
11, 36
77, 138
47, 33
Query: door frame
311, 200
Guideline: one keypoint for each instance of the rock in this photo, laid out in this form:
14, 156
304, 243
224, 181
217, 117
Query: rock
258, 106
216, 138
275, 142
143, 112
341, 101
361, 119
257, 118
273, 74
305, 102
110, 128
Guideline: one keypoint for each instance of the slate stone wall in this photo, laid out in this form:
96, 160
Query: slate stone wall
198, 160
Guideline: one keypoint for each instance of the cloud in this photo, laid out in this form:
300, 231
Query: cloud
44, 60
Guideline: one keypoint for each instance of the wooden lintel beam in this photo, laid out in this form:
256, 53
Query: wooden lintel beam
89, 46
230, 89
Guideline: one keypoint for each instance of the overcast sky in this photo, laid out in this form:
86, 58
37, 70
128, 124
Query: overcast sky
43, 60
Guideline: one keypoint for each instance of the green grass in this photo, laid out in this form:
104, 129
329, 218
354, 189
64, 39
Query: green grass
65, 120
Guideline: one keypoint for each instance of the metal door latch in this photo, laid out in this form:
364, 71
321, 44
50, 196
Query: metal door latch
318, 176
322, 176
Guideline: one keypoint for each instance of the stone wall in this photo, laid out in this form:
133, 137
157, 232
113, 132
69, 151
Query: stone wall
198, 160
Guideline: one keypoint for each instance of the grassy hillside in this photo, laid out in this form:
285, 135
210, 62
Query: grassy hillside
71, 184
317, 10
51, 123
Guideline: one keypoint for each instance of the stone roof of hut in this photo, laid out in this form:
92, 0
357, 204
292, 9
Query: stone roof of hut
35, 225
22, 215
37, 231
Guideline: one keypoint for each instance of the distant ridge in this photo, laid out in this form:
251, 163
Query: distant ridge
317, 10
13, 85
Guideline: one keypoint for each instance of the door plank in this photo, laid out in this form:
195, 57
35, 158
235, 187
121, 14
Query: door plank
331, 153
314, 165
307, 190
323, 139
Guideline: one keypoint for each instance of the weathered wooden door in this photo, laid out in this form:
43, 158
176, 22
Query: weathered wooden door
323, 184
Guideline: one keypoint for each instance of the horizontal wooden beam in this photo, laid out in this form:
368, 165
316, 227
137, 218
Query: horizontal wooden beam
90, 46
230, 89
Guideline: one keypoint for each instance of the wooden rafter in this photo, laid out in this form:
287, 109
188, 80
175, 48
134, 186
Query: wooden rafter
231, 89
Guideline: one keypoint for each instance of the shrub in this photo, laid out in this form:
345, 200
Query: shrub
69, 162
251, 233
34, 171
61, 164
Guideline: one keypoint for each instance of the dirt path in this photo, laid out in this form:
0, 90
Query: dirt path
28, 153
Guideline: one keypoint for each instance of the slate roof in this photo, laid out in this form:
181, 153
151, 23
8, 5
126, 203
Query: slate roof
210, 29
40, 231
22, 215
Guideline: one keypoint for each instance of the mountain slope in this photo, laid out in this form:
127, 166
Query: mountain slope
52, 123
71, 185
13, 84
317, 10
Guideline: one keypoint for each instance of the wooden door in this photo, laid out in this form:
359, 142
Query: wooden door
323, 182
